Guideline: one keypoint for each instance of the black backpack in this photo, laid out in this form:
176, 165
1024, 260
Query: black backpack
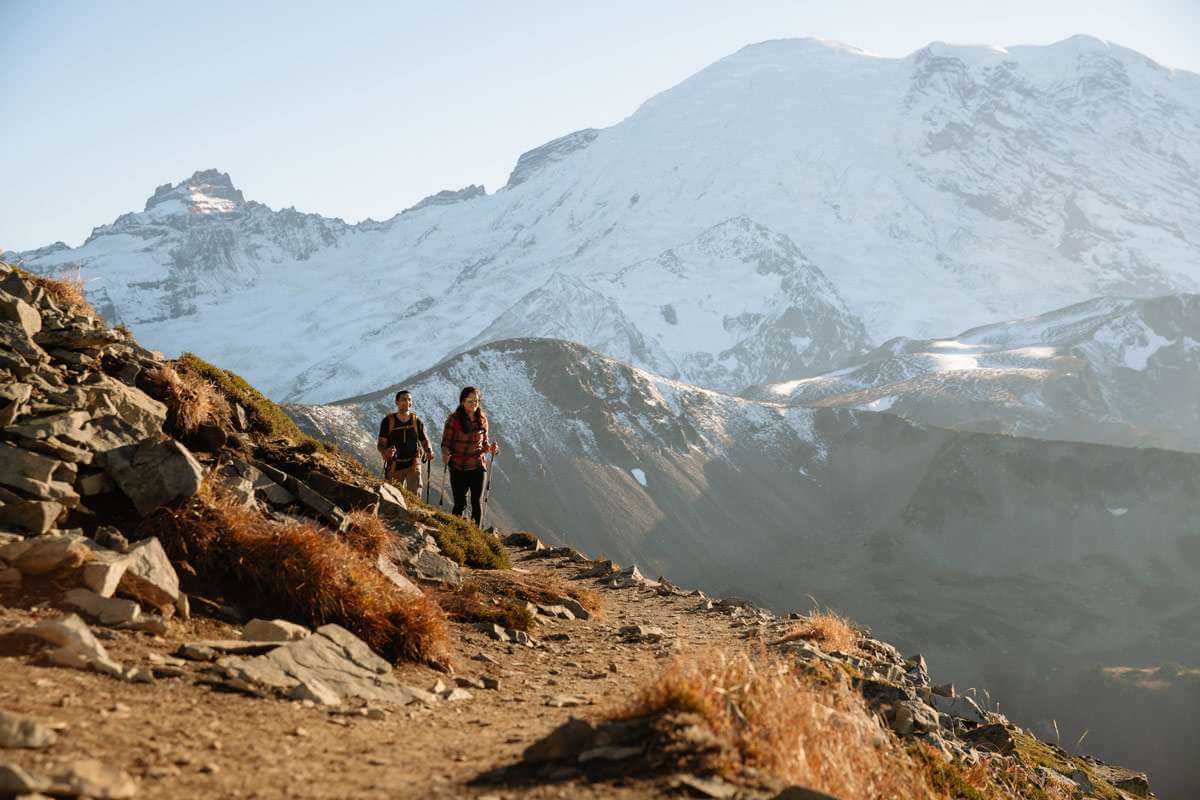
410, 437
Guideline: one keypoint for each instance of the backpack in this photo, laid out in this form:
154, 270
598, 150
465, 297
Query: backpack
406, 449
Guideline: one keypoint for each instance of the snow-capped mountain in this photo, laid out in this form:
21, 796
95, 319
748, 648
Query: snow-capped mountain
1112, 370
766, 219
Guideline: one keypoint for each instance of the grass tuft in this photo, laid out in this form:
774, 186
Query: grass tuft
66, 292
769, 718
830, 630
265, 416
190, 399
302, 572
367, 533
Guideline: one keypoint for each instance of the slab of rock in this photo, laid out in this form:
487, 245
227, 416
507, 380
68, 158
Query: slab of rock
104, 571
155, 473
14, 309
315, 692
398, 578
346, 495
142, 413
574, 606
24, 732
15, 781
962, 707
391, 501
150, 577
105, 610
331, 655
275, 630
33, 516
641, 633
41, 555
76, 645
36, 474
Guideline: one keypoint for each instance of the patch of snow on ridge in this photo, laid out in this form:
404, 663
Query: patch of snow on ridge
1138, 356
1117, 512
638, 475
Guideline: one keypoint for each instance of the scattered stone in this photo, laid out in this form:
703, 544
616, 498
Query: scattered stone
105, 610
103, 573
33, 516
492, 630
17, 731
801, 793
150, 577
42, 555
566, 701
15, 781
469, 683
489, 682
196, 652
77, 646
456, 694
601, 569
961, 707
695, 786
391, 501
94, 779
276, 630
642, 633
574, 606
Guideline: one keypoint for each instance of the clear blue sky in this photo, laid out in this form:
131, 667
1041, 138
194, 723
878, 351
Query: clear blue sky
359, 110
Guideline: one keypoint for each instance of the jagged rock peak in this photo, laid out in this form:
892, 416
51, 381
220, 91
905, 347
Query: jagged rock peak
555, 150
448, 196
208, 191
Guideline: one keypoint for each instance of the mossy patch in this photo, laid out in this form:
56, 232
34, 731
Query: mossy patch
265, 416
1036, 753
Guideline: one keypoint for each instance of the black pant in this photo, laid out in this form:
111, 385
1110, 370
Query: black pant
460, 481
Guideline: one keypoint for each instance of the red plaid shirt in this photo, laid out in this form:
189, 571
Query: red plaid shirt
466, 449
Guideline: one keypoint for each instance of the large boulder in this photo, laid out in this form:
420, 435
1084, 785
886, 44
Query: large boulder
155, 473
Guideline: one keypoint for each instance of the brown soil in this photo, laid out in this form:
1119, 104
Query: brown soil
180, 738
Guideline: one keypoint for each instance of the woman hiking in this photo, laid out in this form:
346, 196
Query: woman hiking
464, 443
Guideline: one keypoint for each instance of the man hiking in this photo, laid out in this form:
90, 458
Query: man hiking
464, 443
403, 445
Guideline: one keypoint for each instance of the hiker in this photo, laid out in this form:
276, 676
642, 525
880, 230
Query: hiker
403, 445
464, 443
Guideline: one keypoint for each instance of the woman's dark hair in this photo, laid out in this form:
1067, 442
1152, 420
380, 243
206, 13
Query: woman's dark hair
470, 424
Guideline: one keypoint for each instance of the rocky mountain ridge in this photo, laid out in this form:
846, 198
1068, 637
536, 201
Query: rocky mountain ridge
1112, 370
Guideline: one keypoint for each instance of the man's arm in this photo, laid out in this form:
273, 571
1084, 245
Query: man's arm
381, 444
428, 448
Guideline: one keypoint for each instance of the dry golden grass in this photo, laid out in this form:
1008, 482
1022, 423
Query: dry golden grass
500, 597
831, 631
190, 399
367, 533
535, 588
771, 718
66, 292
304, 571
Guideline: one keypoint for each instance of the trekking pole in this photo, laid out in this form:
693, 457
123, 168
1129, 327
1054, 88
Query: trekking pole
487, 492
442, 487
429, 468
